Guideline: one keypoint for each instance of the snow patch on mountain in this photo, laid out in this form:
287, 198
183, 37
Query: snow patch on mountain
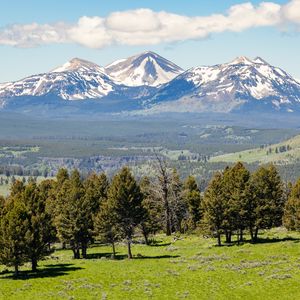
147, 68
225, 86
147, 82
75, 80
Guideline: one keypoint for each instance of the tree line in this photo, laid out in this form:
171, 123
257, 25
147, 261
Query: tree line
77, 212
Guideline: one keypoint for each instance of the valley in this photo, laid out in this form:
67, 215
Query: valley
195, 145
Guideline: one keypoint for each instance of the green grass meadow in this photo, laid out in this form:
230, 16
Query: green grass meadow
260, 155
189, 268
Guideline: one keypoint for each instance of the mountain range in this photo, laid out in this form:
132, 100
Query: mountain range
148, 83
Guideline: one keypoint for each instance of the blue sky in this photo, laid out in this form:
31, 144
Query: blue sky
277, 42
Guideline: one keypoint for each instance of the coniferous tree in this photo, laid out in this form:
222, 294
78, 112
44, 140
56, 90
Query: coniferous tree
213, 206
12, 234
291, 217
96, 187
2, 203
162, 192
177, 204
39, 227
192, 197
74, 222
151, 220
17, 188
238, 200
125, 198
55, 200
268, 202
106, 225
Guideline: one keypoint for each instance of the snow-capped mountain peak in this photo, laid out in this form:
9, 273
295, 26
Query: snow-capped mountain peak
77, 64
259, 60
147, 68
242, 82
241, 60
77, 79
148, 81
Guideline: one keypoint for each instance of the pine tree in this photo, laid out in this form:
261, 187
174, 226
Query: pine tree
17, 188
161, 188
177, 204
151, 220
213, 206
2, 203
39, 228
268, 203
192, 197
12, 234
238, 198
54, 203
106, 226
125, 198
291, 217
74, 222
96, 187
61, 176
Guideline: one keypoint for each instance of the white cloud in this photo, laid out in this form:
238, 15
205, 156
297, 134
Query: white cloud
32, 35
291, 11
90, 32
146, 27
144, 20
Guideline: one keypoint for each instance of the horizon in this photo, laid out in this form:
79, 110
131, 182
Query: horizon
36, 37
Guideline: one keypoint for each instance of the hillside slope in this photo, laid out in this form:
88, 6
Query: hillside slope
286, 152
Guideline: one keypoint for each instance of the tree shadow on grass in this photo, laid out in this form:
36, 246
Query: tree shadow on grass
156, 257
261, 240
45, 272
124, 256
158, 244
107, 255
275, 240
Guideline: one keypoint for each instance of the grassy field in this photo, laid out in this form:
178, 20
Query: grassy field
188, 268
260, 154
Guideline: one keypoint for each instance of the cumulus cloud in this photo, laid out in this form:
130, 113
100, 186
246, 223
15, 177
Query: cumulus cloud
90, 32
147, 27
291, 12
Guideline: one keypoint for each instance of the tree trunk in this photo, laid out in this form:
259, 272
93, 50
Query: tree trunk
168, 229
84, 250
146, 238
256, 234
114, 250
241, 235
76, 253
33, 265
168, 214
228, 236
129, 248
219, 239
16, 273
251, 234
